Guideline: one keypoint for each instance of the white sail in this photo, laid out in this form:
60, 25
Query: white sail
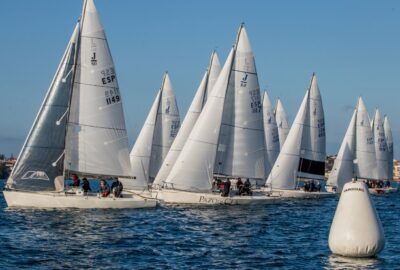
244, 151
389, 141
191, 117
365, 162
342, 171
271, 135
284, 172
380, 147
282, 122
97, 142
193, 170
166, 128
141, 151
313, 153
213, 72
41, 159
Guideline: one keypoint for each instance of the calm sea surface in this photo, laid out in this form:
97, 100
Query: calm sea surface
289, 235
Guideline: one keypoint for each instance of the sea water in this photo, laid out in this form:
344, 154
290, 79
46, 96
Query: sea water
292, 234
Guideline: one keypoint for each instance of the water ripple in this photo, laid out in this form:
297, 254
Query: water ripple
289, 235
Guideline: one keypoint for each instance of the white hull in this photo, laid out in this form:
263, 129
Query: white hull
170, 196
381, 191
65, 200
300, 194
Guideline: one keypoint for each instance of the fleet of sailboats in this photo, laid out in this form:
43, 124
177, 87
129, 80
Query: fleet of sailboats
199, 100
302, 156
364, 153
228, 137
230, 132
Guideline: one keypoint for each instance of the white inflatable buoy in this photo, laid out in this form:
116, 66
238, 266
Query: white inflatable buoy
356, 230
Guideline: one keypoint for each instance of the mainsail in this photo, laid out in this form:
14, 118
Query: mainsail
365, 162
380, 147
303, 153
191, 117
241, 146
42, 156
157, 135
271, 135
312, 156
282, 122
97, 142
389, 141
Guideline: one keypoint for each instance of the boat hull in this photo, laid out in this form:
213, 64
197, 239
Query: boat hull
381, 191
64, 200
170, 196
301, 194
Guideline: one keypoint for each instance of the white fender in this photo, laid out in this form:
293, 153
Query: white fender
356, 230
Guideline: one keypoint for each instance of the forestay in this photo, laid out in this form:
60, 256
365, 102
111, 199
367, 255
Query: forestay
191, 117
42, 156
97, 142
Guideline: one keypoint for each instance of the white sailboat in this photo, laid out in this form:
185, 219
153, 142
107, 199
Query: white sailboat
357, 156
303, 153
272, 145
199, 100
80, 129
156, 137
383, 157
234, 105
282, 122
389, 141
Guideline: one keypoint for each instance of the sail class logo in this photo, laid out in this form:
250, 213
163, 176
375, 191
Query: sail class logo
93, 60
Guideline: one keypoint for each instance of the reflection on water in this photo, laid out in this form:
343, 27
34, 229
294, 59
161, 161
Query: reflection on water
292, 235
339, 262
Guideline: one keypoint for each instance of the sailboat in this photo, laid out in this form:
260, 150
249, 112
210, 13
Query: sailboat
229, 125
272, 146
80, 129
156, 137
303, 153
382, 157
356, 157
282, 123
199, 100
389, 141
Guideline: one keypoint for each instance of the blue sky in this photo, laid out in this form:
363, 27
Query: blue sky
353, 46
